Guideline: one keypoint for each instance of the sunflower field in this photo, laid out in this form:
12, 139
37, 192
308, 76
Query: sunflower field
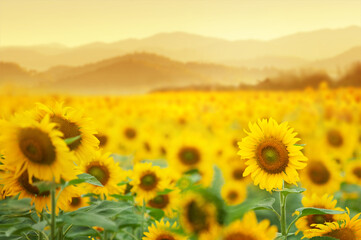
237, 165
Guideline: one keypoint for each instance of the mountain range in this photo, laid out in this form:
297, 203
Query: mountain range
289, 51
177, 60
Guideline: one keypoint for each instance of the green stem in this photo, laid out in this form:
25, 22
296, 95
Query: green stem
283, 215
105, 235
60, 232
53, 213
142, 224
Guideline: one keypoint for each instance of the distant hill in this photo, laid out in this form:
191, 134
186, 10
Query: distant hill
11, 73
341, 61
293, 49
141, 72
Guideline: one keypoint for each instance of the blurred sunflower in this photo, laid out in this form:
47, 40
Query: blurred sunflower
107, 172
344, 229
199, 216
250, 229
147, 181
339, 139
188, 152
14, 185
321, 175
76, 199
234, 193
35, 147
73, 124
353, 172
233, 170
325, 202
272, 154
166, 202
162, 230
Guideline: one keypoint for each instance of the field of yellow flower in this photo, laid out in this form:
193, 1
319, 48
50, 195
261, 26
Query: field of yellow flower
242, 165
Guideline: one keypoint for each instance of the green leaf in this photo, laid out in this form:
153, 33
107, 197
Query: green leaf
69, 141
237, 212
40, 225
299, 144
280, 237
217, 181
156, 213
89, 179
350, 188
91, 220
123, 183
305, 211
165, 191
45, 186
287, 191
16, 205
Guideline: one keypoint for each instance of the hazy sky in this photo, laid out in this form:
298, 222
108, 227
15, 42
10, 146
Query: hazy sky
75, 22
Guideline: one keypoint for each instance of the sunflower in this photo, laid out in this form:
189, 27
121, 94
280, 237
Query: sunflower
199, 216
321, 175
234, 193
107, 172
233, 170
166, 202
76, 199
345, 229
187, 152
128, 136
250, 229
72, 123
147, 181
339, 139
353, 172
272, 154
19, 184
325, 202
162, 230
35, 147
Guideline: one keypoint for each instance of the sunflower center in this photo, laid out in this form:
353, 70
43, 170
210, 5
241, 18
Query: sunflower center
147, 147
160, 201
238, 174
197, 217
75, 201
148, 181
319, 219
272, 156
235, 143
238, 236
232, 195
357, 172
342, 234
23, 180
37, 146
165, 237
103, 139
130, 133
189, 155
334, 138
101, 173
69, 130
318, 173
